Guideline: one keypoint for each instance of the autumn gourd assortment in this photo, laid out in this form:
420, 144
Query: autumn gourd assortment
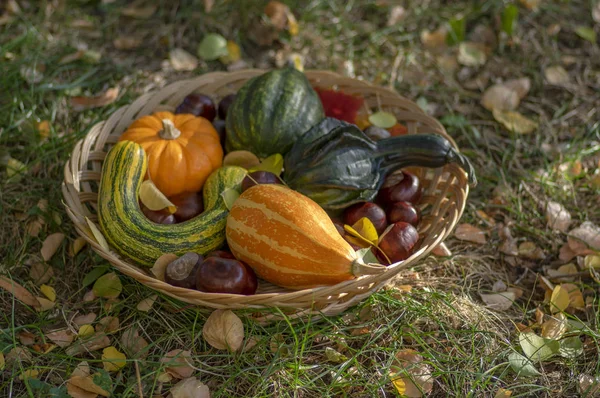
270, 183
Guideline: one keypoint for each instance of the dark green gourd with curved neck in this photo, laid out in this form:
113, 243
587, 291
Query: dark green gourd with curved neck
336, 164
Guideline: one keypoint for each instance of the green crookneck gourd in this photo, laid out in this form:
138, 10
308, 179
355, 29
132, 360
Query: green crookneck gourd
336, 164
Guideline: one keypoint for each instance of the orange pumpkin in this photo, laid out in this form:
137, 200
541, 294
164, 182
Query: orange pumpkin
183, 150
289, 240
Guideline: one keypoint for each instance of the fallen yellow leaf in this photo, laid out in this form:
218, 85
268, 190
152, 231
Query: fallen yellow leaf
559, 301
86, 330
49, 292
514, 121
112, 359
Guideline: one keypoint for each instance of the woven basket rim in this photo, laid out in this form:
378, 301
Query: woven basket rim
262, 299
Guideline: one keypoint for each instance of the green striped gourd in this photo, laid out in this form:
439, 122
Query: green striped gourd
271, 111
133, 235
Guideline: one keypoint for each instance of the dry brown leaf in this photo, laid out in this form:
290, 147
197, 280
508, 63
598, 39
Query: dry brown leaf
142, 12
127, 43
250, 343
190, 388
85, 319
472, 54
134, 344
106, 98
182, 60
596, 12
45, 304
146, 304
441, 250
396, 15
89, 296
500, 97
224, 330
51, 245
576, 300
29, 374
514, 121
179, 363
108, 324
565, 253
589, 386
531, 4
76, 246
555, 326
34, 227
470, 233
17, 355
278, 14
521, 86
19, 292
557, 75
92, 343
62, 338
208, 5
587, 235
563, 272
26, 338
40, 273
160, 266
531, 251
557, 217
410, 376
434, 41
499, 301
83, 386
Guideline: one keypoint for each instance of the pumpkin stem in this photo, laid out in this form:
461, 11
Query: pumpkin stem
169, 131
360, 268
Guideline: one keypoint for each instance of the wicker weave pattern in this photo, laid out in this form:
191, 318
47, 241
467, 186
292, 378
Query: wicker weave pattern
443, 201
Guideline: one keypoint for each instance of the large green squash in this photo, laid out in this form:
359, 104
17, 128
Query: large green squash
128, 230
271, 111
336, 164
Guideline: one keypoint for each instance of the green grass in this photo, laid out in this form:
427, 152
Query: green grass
465, 344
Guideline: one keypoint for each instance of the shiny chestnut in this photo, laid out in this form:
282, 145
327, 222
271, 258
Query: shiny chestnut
182, 271
403, 211
189, 205
397, 242
259, 177
224, 275
369, 210
400, 187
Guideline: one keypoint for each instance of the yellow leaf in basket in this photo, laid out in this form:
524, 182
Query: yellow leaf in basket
153, 199
272, 164
364, 230
97, 234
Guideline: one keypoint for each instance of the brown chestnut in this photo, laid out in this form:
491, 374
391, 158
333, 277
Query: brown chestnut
219, 125
159, 216
403, 211
182, 271
397, 242
189, 205
221, 253
339, 225
198, 105
224, 275
259, 177
400, 187
369, 210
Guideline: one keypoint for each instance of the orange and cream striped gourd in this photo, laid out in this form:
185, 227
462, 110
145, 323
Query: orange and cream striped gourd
289, 240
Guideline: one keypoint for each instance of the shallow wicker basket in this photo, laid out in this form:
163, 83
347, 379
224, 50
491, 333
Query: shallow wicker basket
444, 196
